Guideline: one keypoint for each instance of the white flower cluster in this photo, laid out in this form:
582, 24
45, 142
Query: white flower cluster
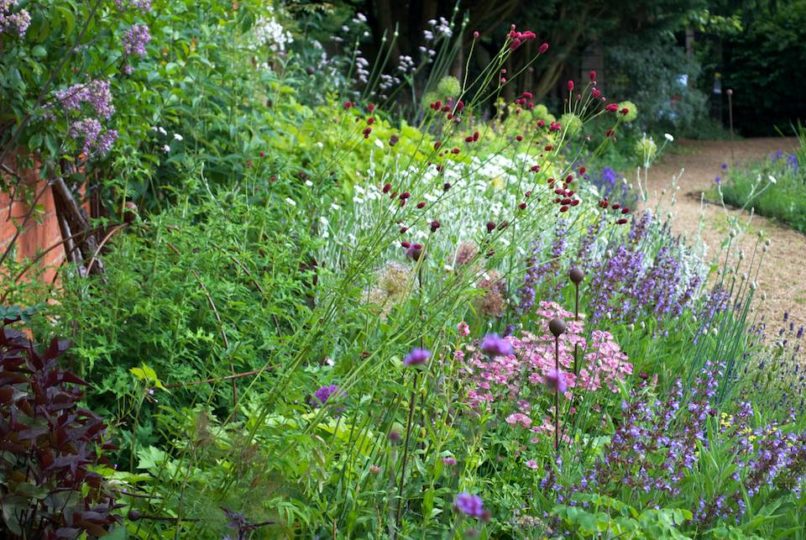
269, 32
362, 69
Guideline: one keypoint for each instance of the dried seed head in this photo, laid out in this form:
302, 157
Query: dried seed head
557, 327
576, 275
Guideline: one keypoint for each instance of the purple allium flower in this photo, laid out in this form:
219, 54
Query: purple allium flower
469, 505
136, 39
724, 166
326, 392
495, 345
450, 461
416, 357
556, 380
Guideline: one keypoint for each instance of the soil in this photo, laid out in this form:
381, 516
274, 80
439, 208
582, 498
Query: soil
781, 276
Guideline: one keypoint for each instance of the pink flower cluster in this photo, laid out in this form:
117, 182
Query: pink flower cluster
513, 378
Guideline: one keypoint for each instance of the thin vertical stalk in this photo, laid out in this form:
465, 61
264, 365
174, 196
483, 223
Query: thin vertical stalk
412, 403
557, 394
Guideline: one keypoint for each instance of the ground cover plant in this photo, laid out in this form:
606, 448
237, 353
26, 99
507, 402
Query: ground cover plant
330, 316
774, 188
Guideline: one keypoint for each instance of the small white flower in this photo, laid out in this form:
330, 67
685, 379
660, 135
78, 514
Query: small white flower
772, 179
178, 137
290, 201
335, 207
166, 148
361, 17
308, 183
669, 137
162, 131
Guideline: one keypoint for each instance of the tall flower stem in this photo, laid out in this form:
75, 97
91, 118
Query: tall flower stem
557, 395
412, 403
576, 318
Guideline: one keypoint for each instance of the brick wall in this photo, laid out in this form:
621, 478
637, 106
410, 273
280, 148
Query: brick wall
39, 233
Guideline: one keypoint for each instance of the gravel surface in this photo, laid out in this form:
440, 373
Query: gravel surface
782, 275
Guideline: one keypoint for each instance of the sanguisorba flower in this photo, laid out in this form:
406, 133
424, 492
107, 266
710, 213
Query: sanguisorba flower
416, 357
469, 505
495, 345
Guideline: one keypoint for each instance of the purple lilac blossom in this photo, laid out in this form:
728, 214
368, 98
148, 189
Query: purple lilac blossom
19, 21
142, 5
136, 39
96, 93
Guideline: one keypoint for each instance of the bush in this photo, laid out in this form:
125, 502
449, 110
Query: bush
51, 446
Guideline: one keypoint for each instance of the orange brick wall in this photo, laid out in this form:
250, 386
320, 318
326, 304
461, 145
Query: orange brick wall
39, 233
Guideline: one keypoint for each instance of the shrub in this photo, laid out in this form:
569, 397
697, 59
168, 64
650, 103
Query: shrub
50, 448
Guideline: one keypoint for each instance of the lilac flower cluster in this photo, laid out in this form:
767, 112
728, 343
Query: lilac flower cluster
136, 39
90, 131
142, 5
19, 21
96, 93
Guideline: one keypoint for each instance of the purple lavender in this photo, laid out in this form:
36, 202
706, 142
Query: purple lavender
136, 39
535, 272
469, 505
416, 357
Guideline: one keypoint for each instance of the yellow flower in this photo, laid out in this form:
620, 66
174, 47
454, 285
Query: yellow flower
498, 183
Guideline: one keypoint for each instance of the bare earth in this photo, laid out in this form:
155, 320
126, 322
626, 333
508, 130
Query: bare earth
782, 276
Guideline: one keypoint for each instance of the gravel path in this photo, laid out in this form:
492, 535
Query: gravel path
782, 276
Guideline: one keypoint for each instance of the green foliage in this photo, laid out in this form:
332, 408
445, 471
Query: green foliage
650, 72
760, 67
775, 187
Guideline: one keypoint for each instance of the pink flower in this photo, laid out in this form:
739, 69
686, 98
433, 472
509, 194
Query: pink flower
519, 419
532, 464
463, 329
543, 48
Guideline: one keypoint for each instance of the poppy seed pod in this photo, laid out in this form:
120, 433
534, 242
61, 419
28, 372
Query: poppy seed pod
557, 327
576, 275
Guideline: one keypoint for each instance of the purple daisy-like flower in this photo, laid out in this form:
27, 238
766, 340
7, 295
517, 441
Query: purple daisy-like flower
469, 505
495, 345
416, 357
556, 380
326, 392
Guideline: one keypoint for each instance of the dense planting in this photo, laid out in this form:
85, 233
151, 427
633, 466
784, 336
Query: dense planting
345, 313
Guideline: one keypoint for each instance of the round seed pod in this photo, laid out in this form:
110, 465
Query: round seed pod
557, 327
576, 275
